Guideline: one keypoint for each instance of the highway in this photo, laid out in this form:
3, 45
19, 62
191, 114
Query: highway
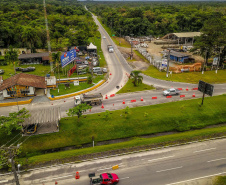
168, 166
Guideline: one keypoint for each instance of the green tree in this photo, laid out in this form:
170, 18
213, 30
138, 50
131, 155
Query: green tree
11, 56
78, 110
89, 80
212, 39
14, 121
137, 79
29, 35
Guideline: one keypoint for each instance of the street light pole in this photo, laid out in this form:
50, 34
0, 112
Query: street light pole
131, 48
168, 58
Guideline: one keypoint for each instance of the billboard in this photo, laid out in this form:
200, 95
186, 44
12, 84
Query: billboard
68, 57
205, 88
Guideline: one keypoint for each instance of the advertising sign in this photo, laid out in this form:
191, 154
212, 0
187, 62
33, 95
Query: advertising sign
68, 57
215, 61
164, 62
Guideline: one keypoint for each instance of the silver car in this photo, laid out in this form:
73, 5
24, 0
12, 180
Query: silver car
170, 92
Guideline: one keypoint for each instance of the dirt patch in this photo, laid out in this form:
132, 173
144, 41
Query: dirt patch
136, 63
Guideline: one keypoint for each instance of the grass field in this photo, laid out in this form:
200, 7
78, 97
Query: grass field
129, 87
126, 146
72, 89
175, 116
190, 77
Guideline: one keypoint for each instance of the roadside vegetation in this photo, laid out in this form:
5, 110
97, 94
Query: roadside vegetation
82, 85
134, 144
129, 87
219, 180
189, 77
131, 122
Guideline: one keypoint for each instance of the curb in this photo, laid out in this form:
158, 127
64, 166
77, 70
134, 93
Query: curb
16, 103
77, 93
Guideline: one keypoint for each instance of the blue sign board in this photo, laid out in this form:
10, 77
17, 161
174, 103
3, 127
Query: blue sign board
68, 57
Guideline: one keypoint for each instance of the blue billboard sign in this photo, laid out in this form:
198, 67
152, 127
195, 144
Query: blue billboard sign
68, 57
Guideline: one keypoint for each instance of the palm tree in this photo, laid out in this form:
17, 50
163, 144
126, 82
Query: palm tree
137, 79
56, 59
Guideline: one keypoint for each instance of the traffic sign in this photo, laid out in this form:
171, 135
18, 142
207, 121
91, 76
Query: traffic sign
205, 88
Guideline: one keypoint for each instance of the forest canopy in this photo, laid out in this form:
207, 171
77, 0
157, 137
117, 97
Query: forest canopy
157, 18
23, 24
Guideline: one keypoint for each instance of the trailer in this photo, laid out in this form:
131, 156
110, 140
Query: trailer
89, 99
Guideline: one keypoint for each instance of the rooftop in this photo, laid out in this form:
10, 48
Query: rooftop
24, 80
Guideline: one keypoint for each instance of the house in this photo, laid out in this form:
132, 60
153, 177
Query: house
178, 57
23, 85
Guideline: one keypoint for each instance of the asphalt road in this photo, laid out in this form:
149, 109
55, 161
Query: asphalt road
173, 165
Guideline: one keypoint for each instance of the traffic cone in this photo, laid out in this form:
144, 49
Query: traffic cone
123, 102
77, 176
141, 99
193, 95
113, 104
187, 89
110, 73
106, 97
102, 106
56, 182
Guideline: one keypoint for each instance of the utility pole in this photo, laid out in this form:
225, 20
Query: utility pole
10, 158
48, 38
168, 58
204, 63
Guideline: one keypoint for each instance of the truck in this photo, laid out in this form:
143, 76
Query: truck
89, 99
110, 49
170, 92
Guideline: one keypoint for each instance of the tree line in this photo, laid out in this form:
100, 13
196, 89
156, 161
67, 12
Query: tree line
156, 19
23, 24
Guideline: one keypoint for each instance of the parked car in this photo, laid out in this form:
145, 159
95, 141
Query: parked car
2, 71
105, 70
18, 68
28, 69
104, 37
170, 92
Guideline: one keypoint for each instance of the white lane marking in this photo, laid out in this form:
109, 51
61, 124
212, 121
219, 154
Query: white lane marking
103, 169
4, 181
170, 169
123, 178
196, 178
161, 158
56, 178
216, 160
204, 150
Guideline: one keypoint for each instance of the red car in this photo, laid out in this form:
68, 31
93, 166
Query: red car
106, 178
109, 178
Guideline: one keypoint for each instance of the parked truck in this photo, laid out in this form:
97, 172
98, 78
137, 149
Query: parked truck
110, 49
89, 99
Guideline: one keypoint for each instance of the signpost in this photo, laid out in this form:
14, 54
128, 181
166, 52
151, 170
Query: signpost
205, 88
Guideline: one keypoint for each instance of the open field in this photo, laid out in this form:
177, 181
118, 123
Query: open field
189, 77
129, 87
175, 116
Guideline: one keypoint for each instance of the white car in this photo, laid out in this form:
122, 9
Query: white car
104, 37
170, 92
